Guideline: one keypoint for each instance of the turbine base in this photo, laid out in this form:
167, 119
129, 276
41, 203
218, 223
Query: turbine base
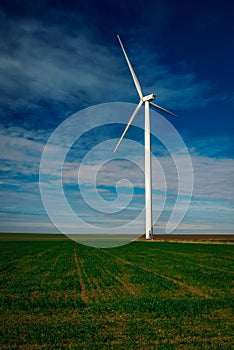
149, 235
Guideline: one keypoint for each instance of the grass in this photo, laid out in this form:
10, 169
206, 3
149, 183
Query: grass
57, 294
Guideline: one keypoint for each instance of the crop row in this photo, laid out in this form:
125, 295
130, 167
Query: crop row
162, 295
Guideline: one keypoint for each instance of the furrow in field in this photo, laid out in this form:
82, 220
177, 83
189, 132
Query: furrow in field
198, 259
70, 287
50, 270
100, 289
126, 286
181, 284
24, 261
92, 293
215, 269
32, 256
83, 292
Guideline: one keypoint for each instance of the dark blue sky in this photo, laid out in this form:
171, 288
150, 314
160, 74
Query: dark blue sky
58, 57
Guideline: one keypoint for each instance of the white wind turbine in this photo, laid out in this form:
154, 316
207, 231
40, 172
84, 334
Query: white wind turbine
147, 100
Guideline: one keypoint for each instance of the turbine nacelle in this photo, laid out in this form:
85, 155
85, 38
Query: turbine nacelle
150, 97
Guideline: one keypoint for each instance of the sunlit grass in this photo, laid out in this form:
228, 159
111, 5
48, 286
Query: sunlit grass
59, 294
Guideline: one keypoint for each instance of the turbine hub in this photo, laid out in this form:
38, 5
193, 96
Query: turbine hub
150, 97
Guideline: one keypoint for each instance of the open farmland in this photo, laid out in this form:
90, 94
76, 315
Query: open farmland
57, 294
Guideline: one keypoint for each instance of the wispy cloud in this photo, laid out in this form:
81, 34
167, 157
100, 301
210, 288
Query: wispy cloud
41, 62
213, 147
181, 90
213, 177
213, 186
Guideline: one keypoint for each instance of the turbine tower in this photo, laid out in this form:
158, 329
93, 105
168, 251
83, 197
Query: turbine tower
147, 100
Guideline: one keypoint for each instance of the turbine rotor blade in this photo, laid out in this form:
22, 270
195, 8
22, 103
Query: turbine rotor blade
162, 109
136, 81
129, 123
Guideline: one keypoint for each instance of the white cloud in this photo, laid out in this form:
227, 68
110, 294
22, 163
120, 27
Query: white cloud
20, 149
40, 62
21, 153
213, 178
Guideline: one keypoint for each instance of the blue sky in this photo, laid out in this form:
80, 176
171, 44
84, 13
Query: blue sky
60, 57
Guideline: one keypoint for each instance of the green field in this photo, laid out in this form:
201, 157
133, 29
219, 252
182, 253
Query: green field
57, 294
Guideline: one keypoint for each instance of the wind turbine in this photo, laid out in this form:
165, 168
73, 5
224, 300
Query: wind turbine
147, 100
